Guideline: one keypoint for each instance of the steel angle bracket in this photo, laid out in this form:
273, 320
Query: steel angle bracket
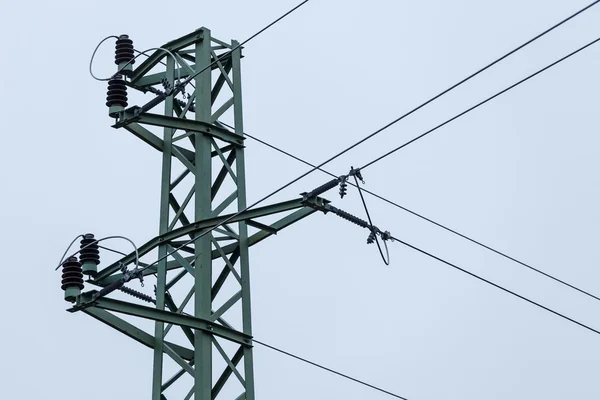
318, 203
302, 209
131, 115
157, 56
84, 301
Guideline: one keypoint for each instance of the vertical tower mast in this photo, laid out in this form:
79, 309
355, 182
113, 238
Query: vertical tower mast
227, 153
202, 336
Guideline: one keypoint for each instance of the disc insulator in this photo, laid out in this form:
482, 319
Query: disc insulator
124, 52
117, 92
89, 249
72, 275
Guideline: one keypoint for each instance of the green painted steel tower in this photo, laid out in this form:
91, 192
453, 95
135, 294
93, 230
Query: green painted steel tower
202, 334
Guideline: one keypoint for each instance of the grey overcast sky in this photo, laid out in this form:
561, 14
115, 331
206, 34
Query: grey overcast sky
519, 174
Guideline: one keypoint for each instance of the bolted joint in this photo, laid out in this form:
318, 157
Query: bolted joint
356, 172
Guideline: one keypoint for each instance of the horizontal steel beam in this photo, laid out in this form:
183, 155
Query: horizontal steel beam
230, 248
129, 116
168, 317
206, 224
155, 79
158, 55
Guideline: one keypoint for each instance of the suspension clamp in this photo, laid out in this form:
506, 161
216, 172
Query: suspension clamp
341, 181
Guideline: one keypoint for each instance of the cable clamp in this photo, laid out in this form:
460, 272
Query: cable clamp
342, 181
356, 172
129, 275
386, 236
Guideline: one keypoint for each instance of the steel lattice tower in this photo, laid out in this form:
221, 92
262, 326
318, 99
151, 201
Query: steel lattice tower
202, 287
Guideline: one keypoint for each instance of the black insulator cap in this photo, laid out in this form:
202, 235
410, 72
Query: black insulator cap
124, 50
72, 275
89, 249
117, 92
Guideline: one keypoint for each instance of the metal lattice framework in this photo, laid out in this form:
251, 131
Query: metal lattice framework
203, 325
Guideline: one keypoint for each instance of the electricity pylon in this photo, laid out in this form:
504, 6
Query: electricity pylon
202, 275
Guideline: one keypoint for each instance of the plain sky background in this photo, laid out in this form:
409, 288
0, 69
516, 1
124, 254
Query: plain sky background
519, 174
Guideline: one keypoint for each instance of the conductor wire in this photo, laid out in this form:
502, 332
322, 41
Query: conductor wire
497, 286
439, 225
62, 259
137, 258
130, 61
314, 364
514, 85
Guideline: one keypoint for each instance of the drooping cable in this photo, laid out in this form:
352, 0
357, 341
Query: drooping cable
94, 55
126, 289
514, 85
94, 242
62, 259
314, 364
582, 325
128, 62
386, 260
189, 79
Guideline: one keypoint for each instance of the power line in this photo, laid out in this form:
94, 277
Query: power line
457, 84
361, 141
314, 364
453, 231
181, 85
189, 79
497, 286
481, 103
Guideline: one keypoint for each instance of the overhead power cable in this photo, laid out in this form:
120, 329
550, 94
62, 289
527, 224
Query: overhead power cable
481, 103
189, 79
378, 131
431, 221
314, 364
497, 286
180, 86
331, 158
368, 164
388, 236
95, 242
